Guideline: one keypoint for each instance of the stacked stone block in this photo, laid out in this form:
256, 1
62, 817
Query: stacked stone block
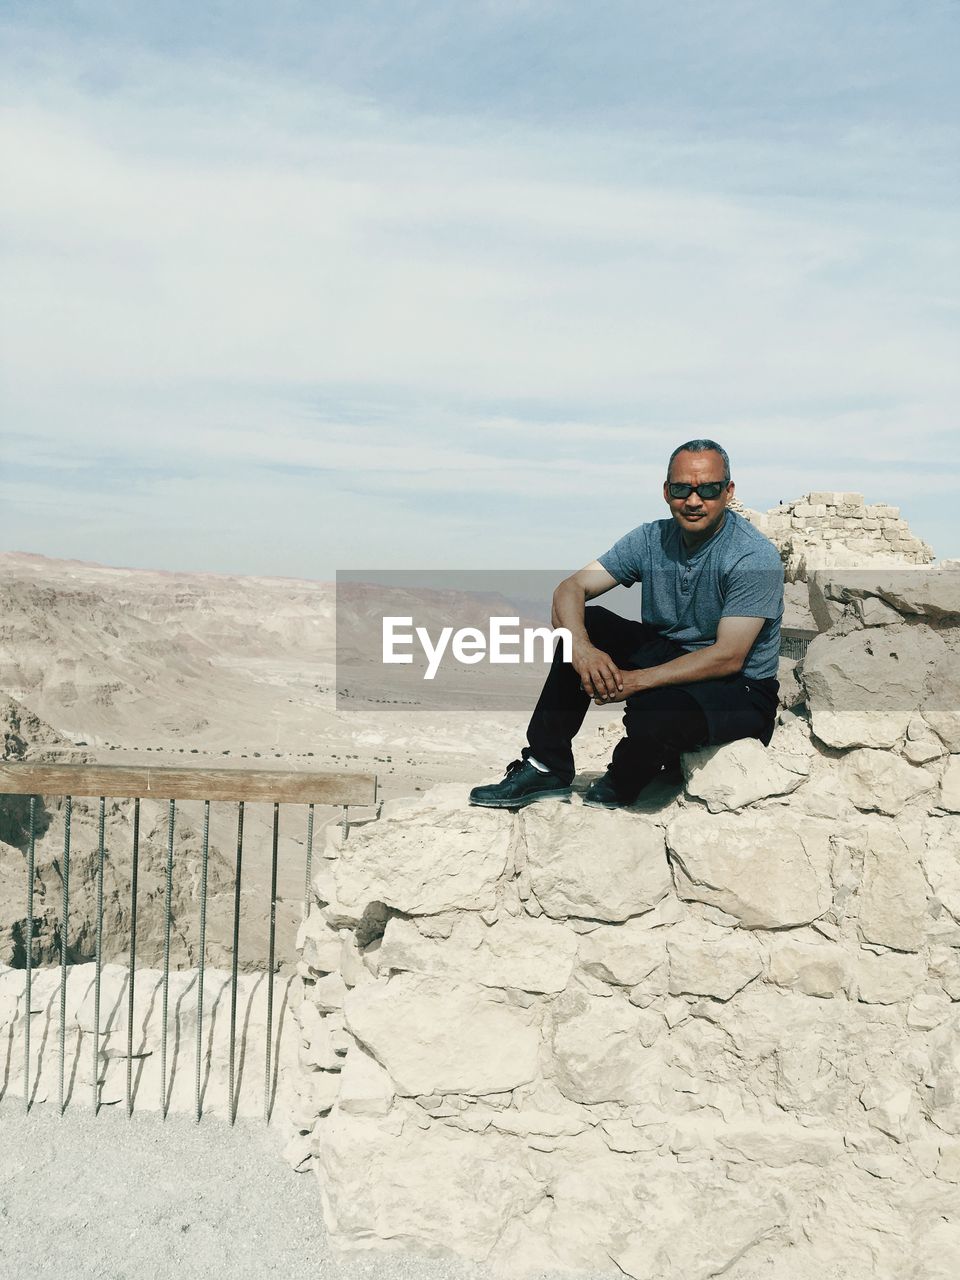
823, 530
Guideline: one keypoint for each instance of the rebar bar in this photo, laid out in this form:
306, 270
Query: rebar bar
233, 980
270, 960
28, 986
135, 862
101, 818
168, 896
309, 869
64, 929
203, 938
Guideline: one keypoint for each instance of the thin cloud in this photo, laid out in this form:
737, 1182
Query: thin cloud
219, 271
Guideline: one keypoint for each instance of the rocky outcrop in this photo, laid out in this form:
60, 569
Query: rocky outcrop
715, 1033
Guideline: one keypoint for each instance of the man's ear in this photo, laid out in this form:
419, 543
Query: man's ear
731, 489
666, 496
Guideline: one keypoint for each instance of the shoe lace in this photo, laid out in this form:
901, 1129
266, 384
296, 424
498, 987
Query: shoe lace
512, 767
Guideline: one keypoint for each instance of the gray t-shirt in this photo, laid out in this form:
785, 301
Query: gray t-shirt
735, 574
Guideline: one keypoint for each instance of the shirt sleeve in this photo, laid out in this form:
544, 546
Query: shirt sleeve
754, 587
624, 561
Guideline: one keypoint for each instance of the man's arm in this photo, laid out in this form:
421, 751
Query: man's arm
724, 657
599, 674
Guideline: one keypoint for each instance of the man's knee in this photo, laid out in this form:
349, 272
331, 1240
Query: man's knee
670, 718
600, 622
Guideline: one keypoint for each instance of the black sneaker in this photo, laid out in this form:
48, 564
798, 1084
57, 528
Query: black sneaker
521, 785
602, 794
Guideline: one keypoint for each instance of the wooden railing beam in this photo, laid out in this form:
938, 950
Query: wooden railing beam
121, 782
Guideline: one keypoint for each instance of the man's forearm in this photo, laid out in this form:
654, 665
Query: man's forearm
569, 600
709, 663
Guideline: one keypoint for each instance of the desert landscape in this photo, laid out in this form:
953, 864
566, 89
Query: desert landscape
130, 667
714, 1033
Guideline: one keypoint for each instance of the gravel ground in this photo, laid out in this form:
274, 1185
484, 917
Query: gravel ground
146, 1199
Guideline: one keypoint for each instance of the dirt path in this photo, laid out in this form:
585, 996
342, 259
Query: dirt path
109, 1198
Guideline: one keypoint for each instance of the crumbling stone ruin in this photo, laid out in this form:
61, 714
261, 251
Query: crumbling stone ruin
719, 1033
826, 530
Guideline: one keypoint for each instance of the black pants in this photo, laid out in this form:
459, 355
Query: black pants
660, 723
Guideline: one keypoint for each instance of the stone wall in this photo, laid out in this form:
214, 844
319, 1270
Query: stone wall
719, 1032
840, 531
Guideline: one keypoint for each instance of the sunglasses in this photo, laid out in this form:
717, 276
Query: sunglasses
712, 489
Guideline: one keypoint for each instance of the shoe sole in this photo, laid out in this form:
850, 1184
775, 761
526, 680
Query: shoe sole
523, 801
603, 804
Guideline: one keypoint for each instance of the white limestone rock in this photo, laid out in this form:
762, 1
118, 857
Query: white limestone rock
893, 895
940, 1095
923, 750
941, 705
736, 774
440, 856
933, 593
602, 1199
874, 613
888, 978
707, 960
941, 861
351, 967
317, 944
383, 1185
518, 952
949, 797
596, 1198
623, 955
818, 969
792, 743
601, 865
780, 1144
825, 610
948, 1165
544, 1123
863, 688
365, 1088
318, 1046
938, 1248
315, 1093
894, 1112
328, 993
881, 781
702, 1231
945, 968
597, 1054
768, 871
434, 1036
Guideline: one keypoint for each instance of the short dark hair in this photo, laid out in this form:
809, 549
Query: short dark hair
702, 446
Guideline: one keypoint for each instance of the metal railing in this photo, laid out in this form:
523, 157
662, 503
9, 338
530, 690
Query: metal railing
241, 786
794, 642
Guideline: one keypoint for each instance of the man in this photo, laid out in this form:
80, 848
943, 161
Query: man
701, 668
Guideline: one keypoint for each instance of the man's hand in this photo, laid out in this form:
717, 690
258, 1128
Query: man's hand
600, 677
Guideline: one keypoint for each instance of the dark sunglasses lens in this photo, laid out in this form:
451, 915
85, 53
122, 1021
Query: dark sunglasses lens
712, 489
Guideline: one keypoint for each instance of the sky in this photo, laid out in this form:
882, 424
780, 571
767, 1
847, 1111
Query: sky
300, 287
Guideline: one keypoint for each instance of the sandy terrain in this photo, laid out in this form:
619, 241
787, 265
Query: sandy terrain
126, 1199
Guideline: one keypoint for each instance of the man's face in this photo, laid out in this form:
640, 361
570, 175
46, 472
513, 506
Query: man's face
698, 517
